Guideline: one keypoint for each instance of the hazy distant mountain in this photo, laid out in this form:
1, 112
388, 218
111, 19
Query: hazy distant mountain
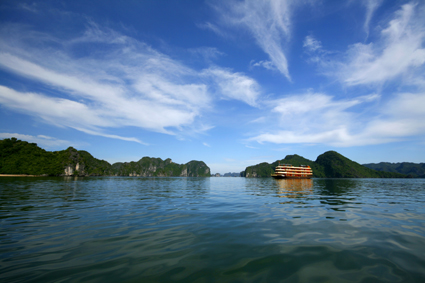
21, 157
415, 170
232, 174
330, 164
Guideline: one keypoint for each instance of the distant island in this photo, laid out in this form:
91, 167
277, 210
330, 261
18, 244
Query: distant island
230, 174
330, 164
414, 170
23, 158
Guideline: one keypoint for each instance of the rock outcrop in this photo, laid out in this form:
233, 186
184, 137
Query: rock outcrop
20, 157
156, 167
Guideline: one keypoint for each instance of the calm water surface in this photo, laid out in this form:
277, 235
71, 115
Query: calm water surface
116, 229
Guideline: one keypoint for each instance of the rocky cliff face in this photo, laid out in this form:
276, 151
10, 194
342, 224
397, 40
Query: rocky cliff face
69, 171
184, 172
145, 167
82, 163
260, 170
156, 167
197, 169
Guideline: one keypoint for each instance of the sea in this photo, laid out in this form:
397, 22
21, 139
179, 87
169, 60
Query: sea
133, 229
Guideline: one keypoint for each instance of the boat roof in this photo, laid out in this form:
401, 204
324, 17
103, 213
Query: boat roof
293, 165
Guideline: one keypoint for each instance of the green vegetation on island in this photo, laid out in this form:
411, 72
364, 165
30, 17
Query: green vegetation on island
337, 166
330, 164
21, 157
265, 169
153, 167
414, 170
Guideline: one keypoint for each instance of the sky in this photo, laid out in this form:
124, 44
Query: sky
231, 83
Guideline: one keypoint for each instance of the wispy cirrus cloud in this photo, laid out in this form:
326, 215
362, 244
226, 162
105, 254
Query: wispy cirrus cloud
207, 53
397, 53
397, 56
269, 23
29, 7
371, 7
120, 83
214, 28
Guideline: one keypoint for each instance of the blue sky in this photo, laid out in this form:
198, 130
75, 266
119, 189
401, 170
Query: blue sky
232, 83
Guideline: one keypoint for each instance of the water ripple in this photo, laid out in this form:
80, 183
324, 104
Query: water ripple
211, 230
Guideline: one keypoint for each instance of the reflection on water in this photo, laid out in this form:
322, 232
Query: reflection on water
294, 188
120, 229
336, 186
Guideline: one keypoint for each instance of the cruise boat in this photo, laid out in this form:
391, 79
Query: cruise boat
287, 171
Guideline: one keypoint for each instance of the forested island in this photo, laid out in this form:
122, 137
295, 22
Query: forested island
24, 158
330, 164
414, 170
21, 157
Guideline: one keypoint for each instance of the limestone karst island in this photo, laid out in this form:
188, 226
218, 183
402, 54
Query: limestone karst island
23, 158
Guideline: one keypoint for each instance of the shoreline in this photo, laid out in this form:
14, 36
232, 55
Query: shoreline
20, 175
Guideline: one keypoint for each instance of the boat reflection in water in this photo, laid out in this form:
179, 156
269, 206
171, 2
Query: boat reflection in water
294, 188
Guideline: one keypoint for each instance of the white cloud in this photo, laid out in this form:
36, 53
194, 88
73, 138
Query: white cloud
318, 118
315, 118
40, 140
95, 33
29, 7
214, 28
264, 63
259, 120
407, 106
316, 110
249, 146
101, 134
53, 110
312, 44
235, 85
81, 85
397, 57
123, 84
60, 112
402, 117
399, 51
269, 22
371, 6
207, 145
208, 53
